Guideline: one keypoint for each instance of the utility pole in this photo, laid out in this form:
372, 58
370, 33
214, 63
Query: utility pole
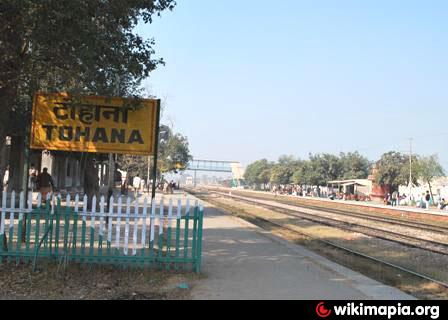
410, 168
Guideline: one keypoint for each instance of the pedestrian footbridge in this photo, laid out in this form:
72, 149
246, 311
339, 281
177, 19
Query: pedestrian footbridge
233, 167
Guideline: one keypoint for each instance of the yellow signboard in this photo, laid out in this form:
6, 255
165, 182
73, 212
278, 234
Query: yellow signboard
94, 124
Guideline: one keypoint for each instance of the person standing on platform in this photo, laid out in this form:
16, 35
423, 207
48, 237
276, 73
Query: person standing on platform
394, 198
45, 183
136, 184
6, 179
428, 200
32, 182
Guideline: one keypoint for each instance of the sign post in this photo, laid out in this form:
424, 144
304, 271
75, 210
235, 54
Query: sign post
97, 125
94, 124
156, 151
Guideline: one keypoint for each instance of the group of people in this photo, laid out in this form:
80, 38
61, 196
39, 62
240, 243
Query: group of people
41, 182
298, 191
423, 202
167, 187
394, 199
138, 184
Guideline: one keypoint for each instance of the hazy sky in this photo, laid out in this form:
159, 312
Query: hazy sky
251, 79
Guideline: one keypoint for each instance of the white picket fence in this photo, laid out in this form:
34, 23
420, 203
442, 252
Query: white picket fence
155, 231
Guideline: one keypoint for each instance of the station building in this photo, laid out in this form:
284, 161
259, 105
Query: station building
66, 168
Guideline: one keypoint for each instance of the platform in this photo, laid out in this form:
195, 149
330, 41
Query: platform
242, 261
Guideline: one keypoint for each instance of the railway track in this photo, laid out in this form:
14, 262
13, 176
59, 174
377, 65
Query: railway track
390, 220
339, 247
410, 241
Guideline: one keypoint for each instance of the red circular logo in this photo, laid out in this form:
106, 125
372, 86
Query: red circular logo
322, 311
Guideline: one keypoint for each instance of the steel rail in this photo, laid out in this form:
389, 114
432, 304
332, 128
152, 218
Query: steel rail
391, 220
348, 226
351, 251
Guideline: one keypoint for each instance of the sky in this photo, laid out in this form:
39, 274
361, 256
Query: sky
253, 79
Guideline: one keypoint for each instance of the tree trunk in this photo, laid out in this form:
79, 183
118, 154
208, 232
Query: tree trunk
430, 191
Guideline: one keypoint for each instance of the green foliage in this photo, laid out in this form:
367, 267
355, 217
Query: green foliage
281, 174
79, 46
173, 156
354, 166
318, 170
133, 165
325, 167
429, 168
391, 169
258, 173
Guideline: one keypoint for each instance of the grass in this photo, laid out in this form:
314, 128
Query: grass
84, 282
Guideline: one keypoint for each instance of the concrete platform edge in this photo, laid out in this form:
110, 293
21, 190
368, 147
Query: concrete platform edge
371, 288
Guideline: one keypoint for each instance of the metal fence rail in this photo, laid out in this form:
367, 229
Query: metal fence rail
128, 232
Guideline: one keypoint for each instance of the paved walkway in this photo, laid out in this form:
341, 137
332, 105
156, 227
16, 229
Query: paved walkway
242, 261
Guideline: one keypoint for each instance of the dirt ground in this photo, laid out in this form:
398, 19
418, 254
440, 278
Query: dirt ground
81, 282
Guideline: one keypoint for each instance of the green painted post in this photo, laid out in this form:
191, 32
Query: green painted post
84, 229
28, 218
75, 233
178, 221
101, 235
19, 241
67, 224
186, 231
168, 240
37, 230
11, 226
11, 237
161, 233
58, 224
92, 229
195, 226
47, 219
110, 225
54, 215
200, 232
83, 238
152, 231
92, 235
20, 228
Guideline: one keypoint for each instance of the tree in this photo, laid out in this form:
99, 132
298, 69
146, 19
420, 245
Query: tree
173, 156
78, 46
354, 166
299, 176
325, 167
258, 173
133, 165
265, 176
391, 170
281, 174
430, 168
